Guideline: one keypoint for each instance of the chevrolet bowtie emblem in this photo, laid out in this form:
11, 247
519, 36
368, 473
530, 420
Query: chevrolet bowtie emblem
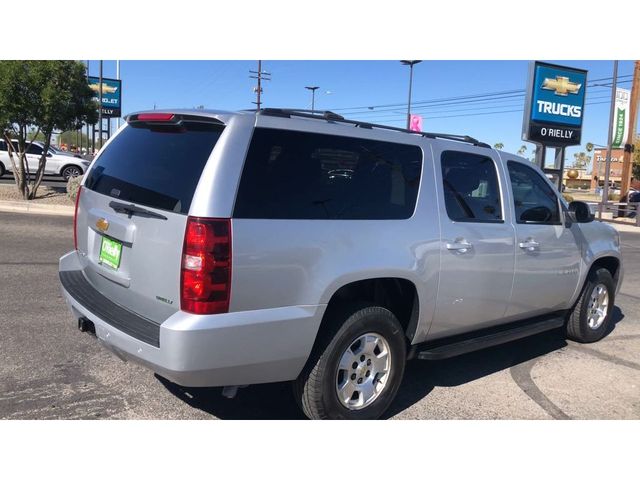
102, 224
105, 88
562, 85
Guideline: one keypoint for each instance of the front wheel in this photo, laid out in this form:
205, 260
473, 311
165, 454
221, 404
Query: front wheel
356, 368
591, 317
71, 171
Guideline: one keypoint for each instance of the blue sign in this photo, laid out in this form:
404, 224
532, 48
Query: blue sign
111, 95
558, 95
554, 108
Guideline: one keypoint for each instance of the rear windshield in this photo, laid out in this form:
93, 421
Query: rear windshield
158, 167
299, 175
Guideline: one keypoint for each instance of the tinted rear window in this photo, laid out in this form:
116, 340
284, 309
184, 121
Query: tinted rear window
299, 175
158, 167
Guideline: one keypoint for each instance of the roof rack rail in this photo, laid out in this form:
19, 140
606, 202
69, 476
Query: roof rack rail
334, 117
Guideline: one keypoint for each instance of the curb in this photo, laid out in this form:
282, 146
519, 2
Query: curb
36, 208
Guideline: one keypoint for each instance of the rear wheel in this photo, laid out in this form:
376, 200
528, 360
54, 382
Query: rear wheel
71, 171
591, 317
2, 170
356, 367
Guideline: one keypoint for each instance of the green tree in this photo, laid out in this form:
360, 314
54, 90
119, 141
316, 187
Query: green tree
581, 160
499, 146
36, 98
522, 150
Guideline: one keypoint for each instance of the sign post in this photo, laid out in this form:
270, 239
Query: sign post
553, 113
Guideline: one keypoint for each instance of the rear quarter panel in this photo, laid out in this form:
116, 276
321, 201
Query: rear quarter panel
279, 263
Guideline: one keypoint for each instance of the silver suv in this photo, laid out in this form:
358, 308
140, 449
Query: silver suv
227, 249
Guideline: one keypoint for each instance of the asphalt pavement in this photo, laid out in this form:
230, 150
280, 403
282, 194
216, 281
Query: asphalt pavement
47, 181
50, 370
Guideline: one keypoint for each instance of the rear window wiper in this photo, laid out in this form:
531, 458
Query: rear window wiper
134, 210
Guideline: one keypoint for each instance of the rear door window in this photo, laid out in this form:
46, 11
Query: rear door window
155, 166
300, 175
34, 149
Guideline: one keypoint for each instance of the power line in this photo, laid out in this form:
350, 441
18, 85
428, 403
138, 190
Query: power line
398, 117
473, 97
472, 109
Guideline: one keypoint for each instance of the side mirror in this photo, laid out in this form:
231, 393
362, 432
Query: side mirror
49, 154
580, 212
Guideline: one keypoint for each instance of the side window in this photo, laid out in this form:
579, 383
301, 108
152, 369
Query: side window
534, 200
471, 189
300, 175
3, 146
34, 149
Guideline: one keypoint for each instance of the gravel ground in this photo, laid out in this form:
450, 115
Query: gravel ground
45, 195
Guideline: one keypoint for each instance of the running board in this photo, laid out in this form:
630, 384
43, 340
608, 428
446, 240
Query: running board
467, 345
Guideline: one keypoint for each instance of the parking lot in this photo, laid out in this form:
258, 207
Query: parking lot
50, 370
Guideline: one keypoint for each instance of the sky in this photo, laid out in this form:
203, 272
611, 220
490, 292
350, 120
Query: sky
350, 88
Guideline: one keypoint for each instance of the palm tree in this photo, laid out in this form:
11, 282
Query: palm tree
499, 146
521, 150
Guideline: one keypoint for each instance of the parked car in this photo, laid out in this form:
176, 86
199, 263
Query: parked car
58, 163
630, 207
292, 246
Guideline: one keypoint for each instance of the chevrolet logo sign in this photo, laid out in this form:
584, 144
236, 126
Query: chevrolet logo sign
561, 85
102, 224
105, 88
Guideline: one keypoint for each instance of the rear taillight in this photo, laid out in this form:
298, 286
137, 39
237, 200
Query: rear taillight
75, 220
205, 283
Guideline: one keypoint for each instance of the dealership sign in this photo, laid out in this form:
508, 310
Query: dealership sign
111, 95
554, 106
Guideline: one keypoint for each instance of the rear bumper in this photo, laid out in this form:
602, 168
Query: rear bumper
238, 348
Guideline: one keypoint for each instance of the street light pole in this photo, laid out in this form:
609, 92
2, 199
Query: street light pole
411, 63
607, 160
313, 97
100, 102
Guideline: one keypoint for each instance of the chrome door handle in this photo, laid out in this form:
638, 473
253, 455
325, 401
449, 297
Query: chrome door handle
530, 245
460, 246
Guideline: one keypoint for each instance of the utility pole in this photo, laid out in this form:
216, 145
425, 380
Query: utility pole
313, 97
607, 160
88, 145
633, 117
411, 63
100, 104
260, 76
118, 78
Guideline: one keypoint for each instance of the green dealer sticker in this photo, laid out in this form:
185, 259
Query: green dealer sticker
110, 252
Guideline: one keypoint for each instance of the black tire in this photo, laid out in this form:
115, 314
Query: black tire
66, 171
2, 170
577, 325
315, 387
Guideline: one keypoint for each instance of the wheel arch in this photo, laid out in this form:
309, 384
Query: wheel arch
82, 172
398, 295
608, 262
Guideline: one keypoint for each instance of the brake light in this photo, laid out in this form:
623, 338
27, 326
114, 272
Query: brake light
205, 280
75, 219
155, 117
